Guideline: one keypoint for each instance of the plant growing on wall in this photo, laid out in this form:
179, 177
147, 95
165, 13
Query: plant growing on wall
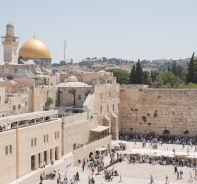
165, 132
144, 118
73, 92
155, 114
186, 132
49, 101
131, 128
149, 123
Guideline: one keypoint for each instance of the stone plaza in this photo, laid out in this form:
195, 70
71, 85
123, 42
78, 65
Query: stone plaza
135, 174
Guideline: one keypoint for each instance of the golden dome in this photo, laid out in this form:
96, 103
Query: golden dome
33, 49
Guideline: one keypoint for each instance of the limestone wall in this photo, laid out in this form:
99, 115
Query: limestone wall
107, 102
40, 95
67, 99
8, 161
77, 133
144, 110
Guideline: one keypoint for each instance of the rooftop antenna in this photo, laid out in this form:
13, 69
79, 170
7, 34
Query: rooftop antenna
65, 45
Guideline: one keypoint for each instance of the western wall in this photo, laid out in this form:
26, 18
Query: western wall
144, 110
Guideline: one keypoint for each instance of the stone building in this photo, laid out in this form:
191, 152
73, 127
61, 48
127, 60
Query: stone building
73, 93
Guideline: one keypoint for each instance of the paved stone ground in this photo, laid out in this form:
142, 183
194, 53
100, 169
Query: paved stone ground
138, 173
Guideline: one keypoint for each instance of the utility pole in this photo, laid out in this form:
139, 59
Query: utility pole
65, 50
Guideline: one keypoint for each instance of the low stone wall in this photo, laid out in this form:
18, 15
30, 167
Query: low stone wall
83, 152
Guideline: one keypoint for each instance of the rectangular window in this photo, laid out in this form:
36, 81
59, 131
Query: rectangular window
58, 134
32, 142
25, 102
14, 107
6, 150
10, 149
19, 106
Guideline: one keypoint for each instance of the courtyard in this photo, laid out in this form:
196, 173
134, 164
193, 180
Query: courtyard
135, 174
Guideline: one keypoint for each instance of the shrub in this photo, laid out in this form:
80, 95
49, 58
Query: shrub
186, 132
49, 101
144, 118
166, 131
155, 114
149, 123
131, 128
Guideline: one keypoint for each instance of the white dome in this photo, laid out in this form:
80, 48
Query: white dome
72, 79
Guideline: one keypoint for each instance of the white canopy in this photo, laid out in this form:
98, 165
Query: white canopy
101, 149
27, 116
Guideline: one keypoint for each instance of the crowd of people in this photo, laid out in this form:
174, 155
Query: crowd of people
165, 139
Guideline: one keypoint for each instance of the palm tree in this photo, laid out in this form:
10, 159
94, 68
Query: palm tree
73, 91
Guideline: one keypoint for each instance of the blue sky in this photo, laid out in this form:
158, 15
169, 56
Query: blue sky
127, 29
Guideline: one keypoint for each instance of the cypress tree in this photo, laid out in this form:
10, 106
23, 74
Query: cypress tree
191, 72
138, 78
132, 75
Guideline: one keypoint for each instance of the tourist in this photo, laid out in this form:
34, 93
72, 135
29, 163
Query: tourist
167, 179
175, 169
92, 180
41, 178
44, 163
181, 174
77, 176
92, 170
151, 179
120, 177
190, 177
188, 150
58, 173
177, 174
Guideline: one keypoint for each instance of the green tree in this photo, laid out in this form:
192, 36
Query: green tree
191, 72
138, 76
122, 76
167, 80
62, 63
132, 75
145, 78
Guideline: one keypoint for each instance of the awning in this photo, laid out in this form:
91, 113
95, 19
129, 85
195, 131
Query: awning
100, 128
27, 116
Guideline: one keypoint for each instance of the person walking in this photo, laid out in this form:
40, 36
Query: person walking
177, 174
181, 174
151, 179
77, 176
120, 177
190, 177
167, 179
41, 178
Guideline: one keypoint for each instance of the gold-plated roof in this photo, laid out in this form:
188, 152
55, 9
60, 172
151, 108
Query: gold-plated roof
34, 48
